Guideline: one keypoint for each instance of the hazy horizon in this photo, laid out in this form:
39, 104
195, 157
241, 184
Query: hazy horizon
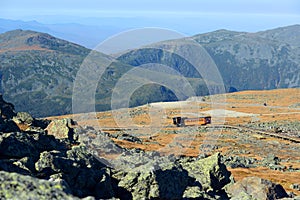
188, 17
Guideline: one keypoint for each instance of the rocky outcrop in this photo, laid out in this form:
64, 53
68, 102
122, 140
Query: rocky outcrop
61, 128
64, 161
125, 136
256, 188
23, 118
51, 153
6, 114
168, 182
16, 186
6, 109
27, 123
238, 161
210, 172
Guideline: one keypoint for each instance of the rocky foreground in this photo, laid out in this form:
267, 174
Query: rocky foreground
42, 159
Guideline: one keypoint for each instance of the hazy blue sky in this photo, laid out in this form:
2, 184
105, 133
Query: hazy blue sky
146, 7
192, 15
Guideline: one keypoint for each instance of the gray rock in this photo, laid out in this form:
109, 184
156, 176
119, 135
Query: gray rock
168, 182
271, 159
23, 118
84, 174
97, 142
16, 186
6, 109
6, 114
17, 145
194, 192
26, 122
295, 186
34, 129
8, 126
26, 163
209, 172
292, 198
256, 188
127, 137
80, 155
45, 142
243, 196
50, 163
61, 129
238, 161
11, 165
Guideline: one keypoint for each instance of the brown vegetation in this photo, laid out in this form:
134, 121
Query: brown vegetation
280, 106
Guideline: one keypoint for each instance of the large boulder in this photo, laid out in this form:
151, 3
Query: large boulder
6, 109
209, 172
196, 192
16, 186
61, 129
80, 154
167, 182
256, 188
21, 144
82, 172
24, 120
6, 114
17, 145
7, 125
97, 141
239, 161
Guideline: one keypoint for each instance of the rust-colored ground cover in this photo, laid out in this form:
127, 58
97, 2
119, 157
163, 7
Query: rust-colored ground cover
153, 124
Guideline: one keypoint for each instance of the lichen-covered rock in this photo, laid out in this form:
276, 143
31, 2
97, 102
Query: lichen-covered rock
125, 136
209, 172
243, 196
168, 182
17, 145
239, 161
256, 188
84, 174
66, 157
10, 165
26, 122
50, 163
45, 142
295, 186
194, 192
61, 129
23, 118
80, 155
7, 126
26, 163
6, 109
291, 198
16, 186
96, 141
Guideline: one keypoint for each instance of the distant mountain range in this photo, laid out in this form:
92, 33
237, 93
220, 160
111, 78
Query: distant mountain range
86, 35
38, 70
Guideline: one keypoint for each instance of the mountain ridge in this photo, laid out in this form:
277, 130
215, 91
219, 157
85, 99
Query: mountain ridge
44, 75
20, 39
75, 32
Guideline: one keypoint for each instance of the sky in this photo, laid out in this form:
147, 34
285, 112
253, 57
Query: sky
186, 15
92, 8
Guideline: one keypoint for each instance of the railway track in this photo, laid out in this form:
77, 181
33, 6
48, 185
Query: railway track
258, 131
266, 133
241, 128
